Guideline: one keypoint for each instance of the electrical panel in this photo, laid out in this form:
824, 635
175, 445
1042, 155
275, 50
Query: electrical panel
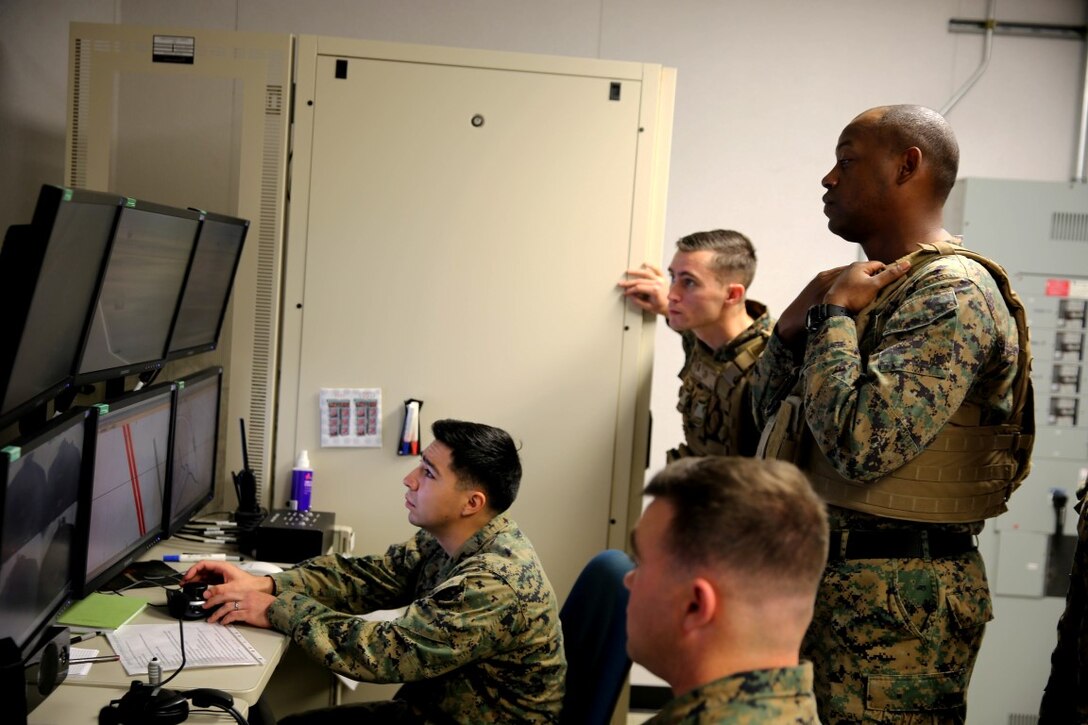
1038, 231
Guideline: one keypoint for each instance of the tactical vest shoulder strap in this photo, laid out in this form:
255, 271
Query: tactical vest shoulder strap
1023, 412
747, 354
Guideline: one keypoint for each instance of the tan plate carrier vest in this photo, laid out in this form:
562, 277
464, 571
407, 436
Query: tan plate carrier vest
967, 473
697, 444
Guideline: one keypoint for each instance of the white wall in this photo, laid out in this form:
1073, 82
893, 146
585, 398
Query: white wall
763, 90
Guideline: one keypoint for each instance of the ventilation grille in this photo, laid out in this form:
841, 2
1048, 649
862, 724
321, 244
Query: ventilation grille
265, 308
1069, 226
1023, 719
77, 176
273, 101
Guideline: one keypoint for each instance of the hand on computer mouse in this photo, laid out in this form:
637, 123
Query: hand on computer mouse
250, 608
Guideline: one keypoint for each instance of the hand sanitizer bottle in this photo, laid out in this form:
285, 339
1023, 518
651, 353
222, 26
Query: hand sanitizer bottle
302, 482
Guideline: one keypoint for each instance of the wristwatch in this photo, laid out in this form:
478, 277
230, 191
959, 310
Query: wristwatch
817, 315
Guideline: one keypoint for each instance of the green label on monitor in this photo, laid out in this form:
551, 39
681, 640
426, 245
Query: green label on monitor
130, 202
12, 452
103, 408
181, 384
67, 194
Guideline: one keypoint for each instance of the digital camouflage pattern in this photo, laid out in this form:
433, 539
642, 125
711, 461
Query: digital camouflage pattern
714, 400
480, 641
1066, 696
873, 405
760, 696
895, 640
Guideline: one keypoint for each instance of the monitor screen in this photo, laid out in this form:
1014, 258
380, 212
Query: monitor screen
196, 431
139, 294
131, 467
208, 285
40, 513
49, 270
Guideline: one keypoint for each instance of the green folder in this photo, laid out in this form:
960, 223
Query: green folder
102, 611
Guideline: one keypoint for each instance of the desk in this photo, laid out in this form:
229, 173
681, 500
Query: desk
80, 698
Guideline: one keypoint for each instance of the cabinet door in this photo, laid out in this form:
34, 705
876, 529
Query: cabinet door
465, 230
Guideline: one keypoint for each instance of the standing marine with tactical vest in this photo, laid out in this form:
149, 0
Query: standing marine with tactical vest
901, 387
723, 334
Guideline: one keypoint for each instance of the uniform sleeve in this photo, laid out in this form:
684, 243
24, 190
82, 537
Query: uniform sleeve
466, 618
357, 584
870, 417
771, 379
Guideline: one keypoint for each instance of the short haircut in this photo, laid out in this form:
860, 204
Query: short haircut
734, 255
904, 126
484, 456
757, 518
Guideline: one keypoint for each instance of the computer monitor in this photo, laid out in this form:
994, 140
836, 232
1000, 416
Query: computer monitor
141, 287
207, 286
49, 270
40, 506
123, 516
196, 432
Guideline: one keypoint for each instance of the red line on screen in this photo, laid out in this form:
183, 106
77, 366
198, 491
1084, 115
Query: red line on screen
134, 473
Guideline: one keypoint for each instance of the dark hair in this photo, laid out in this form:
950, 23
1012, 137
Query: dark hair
733, 253
904, 126
759, 518
483, 456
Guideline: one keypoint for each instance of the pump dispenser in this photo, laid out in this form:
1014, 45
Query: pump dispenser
302, 482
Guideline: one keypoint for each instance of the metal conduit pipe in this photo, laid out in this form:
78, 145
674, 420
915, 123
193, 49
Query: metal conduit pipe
986, 50
1079, 171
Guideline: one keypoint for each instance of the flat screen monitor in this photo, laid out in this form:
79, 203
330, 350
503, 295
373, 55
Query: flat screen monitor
41, 507
49, 271
124, 515
207, 286
196, 432
141, 286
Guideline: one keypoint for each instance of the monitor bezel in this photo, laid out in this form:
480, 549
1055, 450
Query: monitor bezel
84, 585
189, 351
77, 555
16, 292
143, 366
173, 522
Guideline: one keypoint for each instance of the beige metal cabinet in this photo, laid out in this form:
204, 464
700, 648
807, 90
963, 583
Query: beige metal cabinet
457, 224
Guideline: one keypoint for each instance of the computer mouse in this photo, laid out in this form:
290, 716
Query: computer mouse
188, 602
259, 568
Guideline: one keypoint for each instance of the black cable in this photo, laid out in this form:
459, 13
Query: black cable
181, 643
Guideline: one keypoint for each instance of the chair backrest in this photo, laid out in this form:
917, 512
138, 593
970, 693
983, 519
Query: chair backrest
594, 619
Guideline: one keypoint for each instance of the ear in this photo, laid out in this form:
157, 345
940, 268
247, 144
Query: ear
703, 604
734, 293
474, 503
910, 161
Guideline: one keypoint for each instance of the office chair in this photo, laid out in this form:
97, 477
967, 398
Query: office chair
594, 620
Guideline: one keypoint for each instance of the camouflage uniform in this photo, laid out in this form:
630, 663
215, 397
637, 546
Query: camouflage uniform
1066, 696
480, 641
895, 640
714, 397
761, 696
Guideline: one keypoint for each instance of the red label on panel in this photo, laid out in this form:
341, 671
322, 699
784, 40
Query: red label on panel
1057, 288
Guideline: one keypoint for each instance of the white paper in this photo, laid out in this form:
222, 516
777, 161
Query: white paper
206, 645
81, 669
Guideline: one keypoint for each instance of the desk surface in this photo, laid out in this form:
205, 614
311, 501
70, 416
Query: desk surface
82, 697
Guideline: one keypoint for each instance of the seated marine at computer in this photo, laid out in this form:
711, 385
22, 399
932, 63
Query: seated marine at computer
480, 640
